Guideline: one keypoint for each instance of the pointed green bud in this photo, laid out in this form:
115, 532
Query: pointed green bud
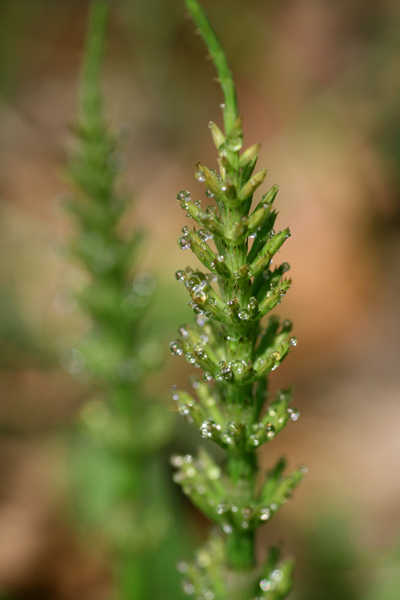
218, 137
249, 155
250, 187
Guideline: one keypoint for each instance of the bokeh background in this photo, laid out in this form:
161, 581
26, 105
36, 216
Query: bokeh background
319, 84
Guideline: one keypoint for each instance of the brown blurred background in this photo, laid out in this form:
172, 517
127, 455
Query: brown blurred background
319, 85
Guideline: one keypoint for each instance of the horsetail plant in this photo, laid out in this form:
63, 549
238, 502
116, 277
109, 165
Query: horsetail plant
230, 294
120, 486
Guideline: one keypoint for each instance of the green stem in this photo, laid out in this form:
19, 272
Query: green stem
240, 549
214, 47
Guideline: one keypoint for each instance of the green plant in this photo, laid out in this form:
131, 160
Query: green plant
118, 473
237, 355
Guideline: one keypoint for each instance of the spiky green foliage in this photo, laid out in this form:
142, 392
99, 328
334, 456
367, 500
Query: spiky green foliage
118, 473
235, 287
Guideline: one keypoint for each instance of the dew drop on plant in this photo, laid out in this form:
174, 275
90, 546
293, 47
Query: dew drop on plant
190, 358
180, 275
265, 585
222, 106
176, 348
287, 324
182, 566
207, 376
243, 314
209, 194
204, 234
198, 310
285, 267
293, 341
183, 195
187, 587
265, 514
176, 460
214, 473
227, 528
245, 525
277, 575
210, 210
184, 242
200, 297
254, 441
295, 415
237, 366
183, 331
222, 508
199, 175
185, 229
174, 393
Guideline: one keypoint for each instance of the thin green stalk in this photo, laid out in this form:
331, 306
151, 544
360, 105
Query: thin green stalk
234, 290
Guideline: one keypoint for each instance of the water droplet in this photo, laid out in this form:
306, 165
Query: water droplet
254, 441
204, 234
187, 587
180, 275
176, 348
206, 429
243, 314
295, 415
183, 331
222, 106
277, 575
207, 376
226, 439
182, 566
199, 175
265, 585
227, 528
222, 508
265, 514
183, 195
285, 267
214, 473
246, 512
176, 460
184, 242
209, 194
190, 357
237, 366
200, 297
293, 341
208, 595
245, 525
198, 310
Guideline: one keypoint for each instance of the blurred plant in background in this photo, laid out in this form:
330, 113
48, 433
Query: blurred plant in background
120, 483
